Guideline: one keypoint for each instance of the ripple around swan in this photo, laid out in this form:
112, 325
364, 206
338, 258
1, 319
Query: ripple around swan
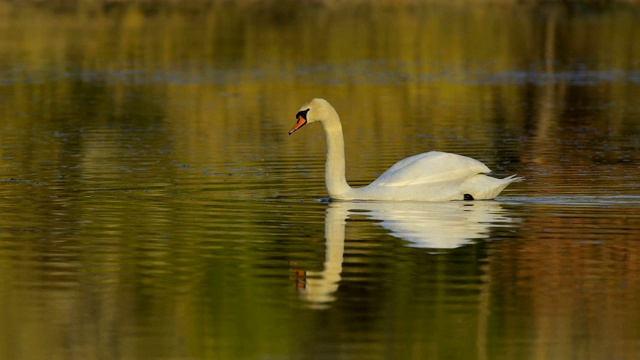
580, 200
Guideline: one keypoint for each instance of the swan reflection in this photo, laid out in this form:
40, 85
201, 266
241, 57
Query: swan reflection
442, 225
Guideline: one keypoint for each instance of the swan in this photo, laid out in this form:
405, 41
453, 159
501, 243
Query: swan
430, 176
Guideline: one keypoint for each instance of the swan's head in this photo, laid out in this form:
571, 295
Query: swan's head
314, 110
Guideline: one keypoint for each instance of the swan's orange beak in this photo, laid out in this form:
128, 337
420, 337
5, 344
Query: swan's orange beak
300, 123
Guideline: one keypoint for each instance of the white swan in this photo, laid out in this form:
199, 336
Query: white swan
431, 176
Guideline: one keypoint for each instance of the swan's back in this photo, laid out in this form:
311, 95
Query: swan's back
431, 167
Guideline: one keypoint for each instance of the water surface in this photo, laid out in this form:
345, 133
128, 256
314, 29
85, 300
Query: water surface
153, 205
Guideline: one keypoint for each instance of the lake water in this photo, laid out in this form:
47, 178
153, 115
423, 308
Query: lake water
153, 206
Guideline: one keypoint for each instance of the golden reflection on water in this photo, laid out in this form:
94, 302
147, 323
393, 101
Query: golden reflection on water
153, 205
577, 268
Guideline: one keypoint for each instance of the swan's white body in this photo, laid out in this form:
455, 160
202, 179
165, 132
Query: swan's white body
431, 176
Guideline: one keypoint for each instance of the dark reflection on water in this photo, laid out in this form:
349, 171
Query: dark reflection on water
153, 206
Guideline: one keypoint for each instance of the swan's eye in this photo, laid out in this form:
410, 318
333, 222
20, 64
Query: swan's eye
302, 113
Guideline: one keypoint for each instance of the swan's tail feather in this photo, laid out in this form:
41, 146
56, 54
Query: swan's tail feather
483, 187
514, 179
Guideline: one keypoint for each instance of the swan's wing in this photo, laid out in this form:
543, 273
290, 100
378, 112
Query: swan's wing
431, 167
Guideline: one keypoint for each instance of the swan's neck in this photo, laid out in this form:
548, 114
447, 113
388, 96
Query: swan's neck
335, 178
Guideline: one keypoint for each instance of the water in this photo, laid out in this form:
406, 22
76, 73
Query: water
153, 205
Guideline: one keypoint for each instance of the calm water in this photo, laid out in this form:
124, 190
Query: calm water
153, 206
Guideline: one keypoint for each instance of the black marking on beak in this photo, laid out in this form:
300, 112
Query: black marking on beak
301, 118
302, 113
